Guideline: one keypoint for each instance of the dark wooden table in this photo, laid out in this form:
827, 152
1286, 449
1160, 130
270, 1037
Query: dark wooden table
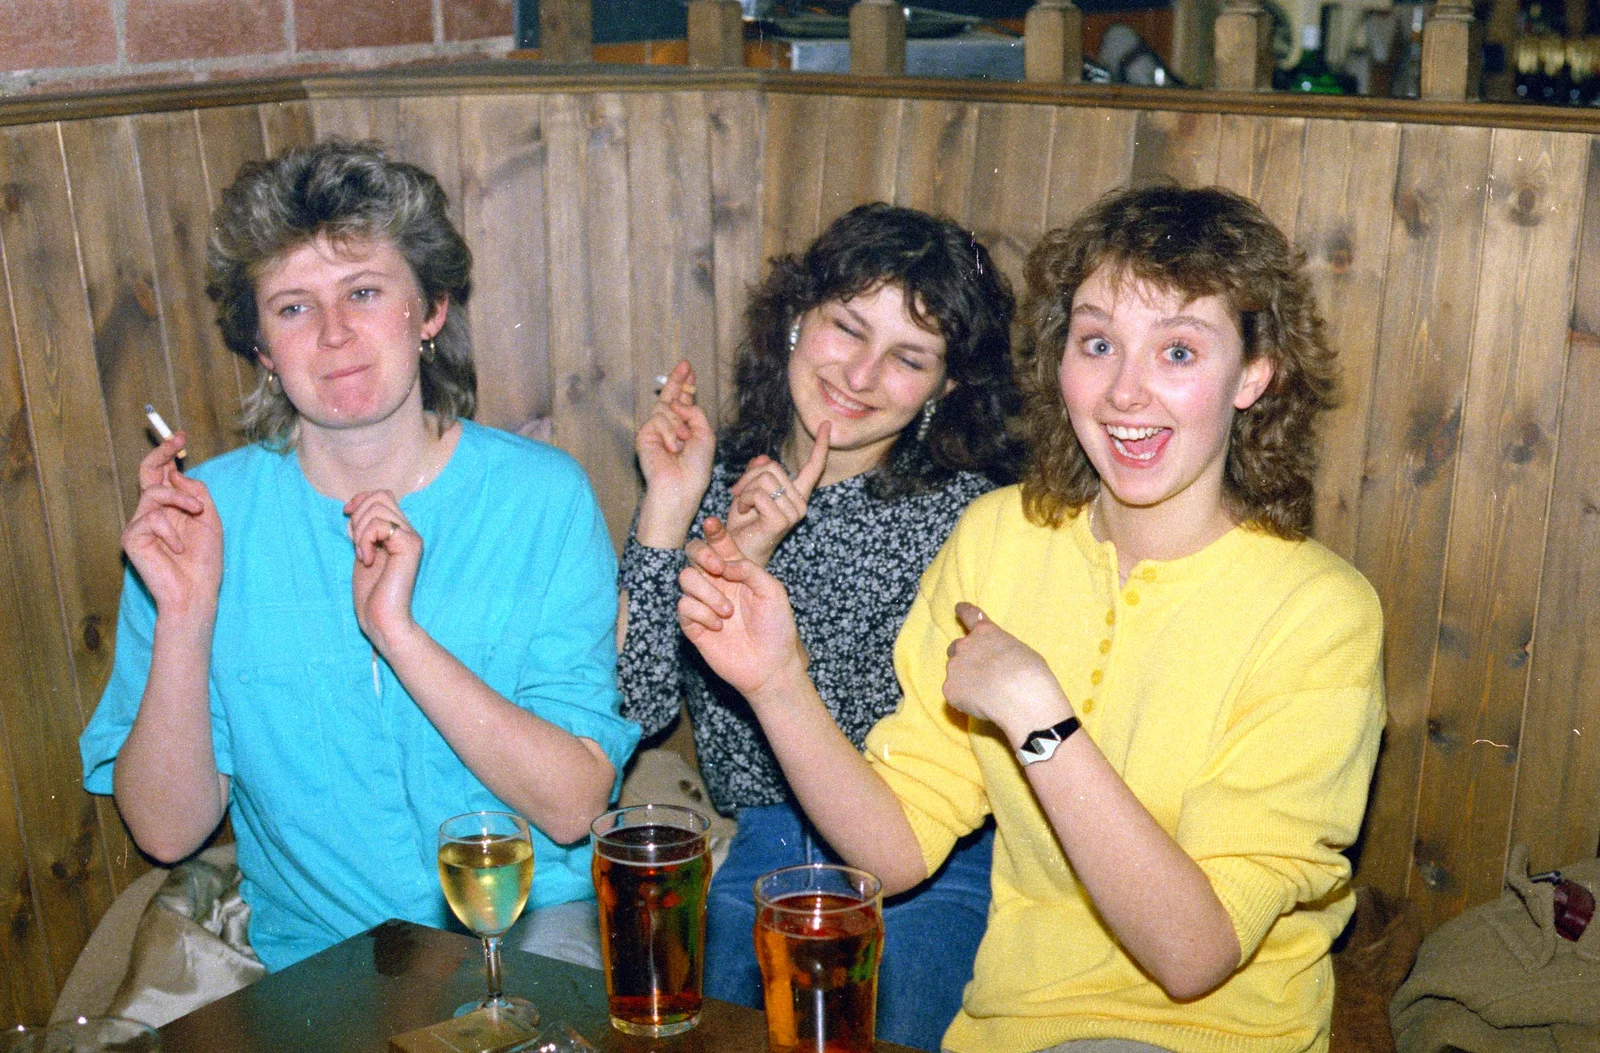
353, 996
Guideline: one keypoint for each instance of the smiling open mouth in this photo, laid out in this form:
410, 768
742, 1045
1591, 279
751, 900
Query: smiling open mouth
1138, 444
841, 401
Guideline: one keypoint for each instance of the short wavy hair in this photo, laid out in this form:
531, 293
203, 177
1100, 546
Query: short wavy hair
345, 191
953, 288
1196, 242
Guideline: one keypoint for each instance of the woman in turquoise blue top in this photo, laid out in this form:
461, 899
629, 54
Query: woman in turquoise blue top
376, 615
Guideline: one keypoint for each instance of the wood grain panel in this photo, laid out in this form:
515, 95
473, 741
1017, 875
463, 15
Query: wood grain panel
503, 164
1343, 228
349, 118
863, 151
590, 299
32, 657
736, 121
1011, 163
1497, 524
1263, 158
1423, 347
1176, 147
129, 350
286, 124
1092, 154
426, 132
673, 296
934, 169
63, 511
177, 198
1558, 777
794, 165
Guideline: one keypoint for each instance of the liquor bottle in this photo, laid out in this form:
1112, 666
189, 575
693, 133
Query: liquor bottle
1408, 70
1526, 56
1311, 73
1555, 80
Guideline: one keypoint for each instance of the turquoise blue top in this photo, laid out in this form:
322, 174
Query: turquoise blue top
339, 781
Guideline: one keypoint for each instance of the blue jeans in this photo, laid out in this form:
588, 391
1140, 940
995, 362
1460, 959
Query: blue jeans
931, 933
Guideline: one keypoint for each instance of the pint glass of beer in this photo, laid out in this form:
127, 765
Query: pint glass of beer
652, 866
819, 936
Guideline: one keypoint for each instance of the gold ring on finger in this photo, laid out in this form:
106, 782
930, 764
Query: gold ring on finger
394, 528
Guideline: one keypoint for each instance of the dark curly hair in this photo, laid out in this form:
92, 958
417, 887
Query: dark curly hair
1206, 242
953, 288
346, 191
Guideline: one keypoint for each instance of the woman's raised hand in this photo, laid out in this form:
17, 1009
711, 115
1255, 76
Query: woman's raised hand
996, 677
675, 446
388, 553
767, 503
737, 615
174, 539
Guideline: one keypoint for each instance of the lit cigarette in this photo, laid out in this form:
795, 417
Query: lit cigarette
160, 426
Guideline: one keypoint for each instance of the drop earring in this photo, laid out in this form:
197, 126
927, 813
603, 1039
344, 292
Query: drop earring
274, 385
794, 336
929, 408
430, 350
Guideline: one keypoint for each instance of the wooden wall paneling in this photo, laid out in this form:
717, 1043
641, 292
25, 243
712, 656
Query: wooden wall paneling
119, 273
286, 124
32, 657
670, 253
427, 133
863, 149
737, 131
796, 137
172, 172
1263, 158
230, 136
503, 164
64, 519
1423, 348
1347, 191
1011, 168
1498, 518
1091, 154
350, 118
591, 345
1558, 776
1176, 147
934, 169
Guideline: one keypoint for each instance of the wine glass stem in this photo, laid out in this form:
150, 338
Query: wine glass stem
491, 966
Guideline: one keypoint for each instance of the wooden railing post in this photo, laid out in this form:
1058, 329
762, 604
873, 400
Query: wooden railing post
877, 38
1450, 63
1243, 49
566, 31
1053, 42
716, 33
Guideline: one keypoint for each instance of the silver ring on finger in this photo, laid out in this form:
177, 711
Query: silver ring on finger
779, 492
394, 528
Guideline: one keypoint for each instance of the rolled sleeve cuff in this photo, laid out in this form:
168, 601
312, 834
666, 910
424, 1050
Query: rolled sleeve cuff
1251, 894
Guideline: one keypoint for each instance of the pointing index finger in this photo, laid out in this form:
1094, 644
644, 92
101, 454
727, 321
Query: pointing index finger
811, 471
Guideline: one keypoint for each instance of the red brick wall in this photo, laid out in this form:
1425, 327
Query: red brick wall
76, 45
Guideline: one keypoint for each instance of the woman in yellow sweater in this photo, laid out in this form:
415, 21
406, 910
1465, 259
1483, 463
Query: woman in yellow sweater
1167, 695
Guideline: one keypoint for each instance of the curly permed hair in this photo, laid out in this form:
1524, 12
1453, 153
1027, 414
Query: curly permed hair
955, 290
347, 192
1205, 242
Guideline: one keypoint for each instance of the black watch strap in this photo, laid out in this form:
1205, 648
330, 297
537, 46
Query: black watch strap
1042, 744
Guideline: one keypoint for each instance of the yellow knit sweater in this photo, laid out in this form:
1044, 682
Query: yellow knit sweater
1238, 691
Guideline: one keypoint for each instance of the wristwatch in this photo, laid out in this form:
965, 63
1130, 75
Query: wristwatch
1042, 744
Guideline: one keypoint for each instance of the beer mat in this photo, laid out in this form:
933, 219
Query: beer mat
477, 1032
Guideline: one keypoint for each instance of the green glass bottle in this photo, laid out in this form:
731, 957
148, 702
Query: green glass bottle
1311, 73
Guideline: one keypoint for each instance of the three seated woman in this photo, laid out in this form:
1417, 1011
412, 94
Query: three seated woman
1108, 765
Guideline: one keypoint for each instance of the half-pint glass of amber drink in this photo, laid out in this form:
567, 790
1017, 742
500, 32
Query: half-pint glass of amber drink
819, 937
652, 866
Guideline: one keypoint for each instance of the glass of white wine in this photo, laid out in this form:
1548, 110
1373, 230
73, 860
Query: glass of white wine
486, 869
